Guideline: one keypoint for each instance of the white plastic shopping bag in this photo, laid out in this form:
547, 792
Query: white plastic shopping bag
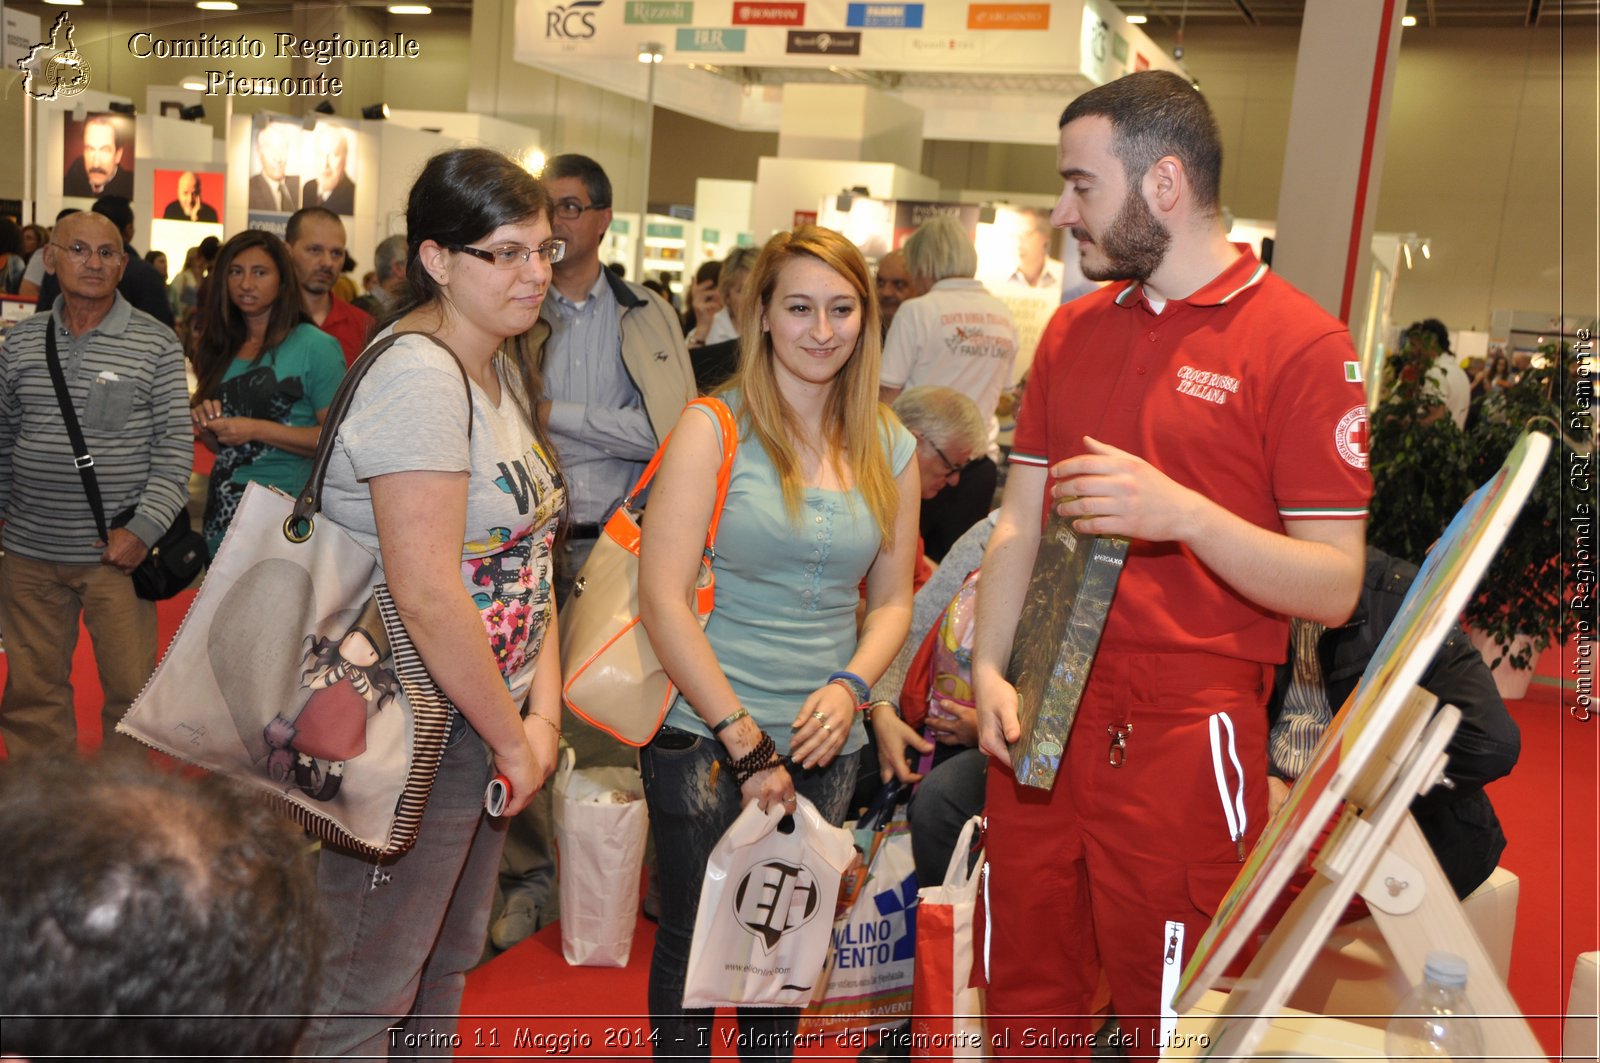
601, 826
947, 1018
766, 909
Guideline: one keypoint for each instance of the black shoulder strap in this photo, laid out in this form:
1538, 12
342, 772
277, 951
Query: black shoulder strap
82, 460
309, 500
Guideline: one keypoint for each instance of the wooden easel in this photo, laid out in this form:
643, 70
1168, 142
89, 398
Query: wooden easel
1378, 851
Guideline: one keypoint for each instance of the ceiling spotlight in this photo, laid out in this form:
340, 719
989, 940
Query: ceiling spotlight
377, 112
323, 108
533, 161
192, 113
123, 108
1409, 21
650, 52
410, 9
1427, 250
65, 3
1138, 20
217, 5
193, 83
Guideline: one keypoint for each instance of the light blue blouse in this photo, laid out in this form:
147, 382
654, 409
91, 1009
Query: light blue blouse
786, 593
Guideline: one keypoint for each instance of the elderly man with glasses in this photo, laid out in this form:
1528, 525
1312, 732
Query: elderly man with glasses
123, 373
617, 374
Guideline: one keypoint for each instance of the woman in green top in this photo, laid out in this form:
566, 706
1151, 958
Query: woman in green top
265, 376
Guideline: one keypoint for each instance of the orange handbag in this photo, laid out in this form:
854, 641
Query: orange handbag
611, 676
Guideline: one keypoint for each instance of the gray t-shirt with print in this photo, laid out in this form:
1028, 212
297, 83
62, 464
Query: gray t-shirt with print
410, 414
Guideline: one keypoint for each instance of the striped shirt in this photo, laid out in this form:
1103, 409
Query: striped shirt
126, 380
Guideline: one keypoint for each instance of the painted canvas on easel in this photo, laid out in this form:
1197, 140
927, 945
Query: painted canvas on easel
1442, 588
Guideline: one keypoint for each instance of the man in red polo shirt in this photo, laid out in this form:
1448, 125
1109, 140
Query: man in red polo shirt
315, 237
1204, 409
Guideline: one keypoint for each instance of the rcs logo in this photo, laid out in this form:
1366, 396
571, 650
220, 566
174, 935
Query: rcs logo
571, 22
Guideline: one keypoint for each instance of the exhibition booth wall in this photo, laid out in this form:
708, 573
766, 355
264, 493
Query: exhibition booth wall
1480, 142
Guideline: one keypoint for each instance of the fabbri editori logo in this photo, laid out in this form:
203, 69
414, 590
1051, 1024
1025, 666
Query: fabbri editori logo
571, 22
55, 69
774, 898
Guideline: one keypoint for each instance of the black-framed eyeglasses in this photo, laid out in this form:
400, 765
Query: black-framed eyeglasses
952, 469
571, 209
514, 256
79, 252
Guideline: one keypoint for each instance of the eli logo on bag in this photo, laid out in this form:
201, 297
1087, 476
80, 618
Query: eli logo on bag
774, 898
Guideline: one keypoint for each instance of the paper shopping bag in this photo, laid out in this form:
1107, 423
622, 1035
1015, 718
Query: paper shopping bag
866, 982
766, 906
601, 826
947, 1016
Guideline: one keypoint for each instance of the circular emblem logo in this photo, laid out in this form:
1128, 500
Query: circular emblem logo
1351, 437
66, 74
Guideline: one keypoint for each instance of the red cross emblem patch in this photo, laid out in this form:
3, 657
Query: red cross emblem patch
1351, 436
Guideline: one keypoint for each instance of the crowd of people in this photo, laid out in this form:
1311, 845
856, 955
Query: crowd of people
867, 467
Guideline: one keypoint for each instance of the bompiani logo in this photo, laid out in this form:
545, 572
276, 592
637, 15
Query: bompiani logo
55, 69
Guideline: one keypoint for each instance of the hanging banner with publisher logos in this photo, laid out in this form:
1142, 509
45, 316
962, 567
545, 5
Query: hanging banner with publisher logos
1088, 38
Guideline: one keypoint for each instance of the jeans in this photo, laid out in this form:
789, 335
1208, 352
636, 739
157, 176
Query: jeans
40, 603
688, 816
403, 932
950, 794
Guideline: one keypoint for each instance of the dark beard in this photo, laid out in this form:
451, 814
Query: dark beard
1134, 245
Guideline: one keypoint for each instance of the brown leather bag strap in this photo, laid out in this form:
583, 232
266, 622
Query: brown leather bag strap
298, 527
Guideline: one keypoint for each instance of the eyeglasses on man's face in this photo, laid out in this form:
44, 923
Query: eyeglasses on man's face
515, 256
79, 252
951, 468
572, 210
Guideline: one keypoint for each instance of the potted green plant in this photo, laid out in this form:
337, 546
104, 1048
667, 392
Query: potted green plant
1419, 456
1519, 610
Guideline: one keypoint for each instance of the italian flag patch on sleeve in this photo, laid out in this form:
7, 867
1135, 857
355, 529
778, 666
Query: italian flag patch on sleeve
1352, 372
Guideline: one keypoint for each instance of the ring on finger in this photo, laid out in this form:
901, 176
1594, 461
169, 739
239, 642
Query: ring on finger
827, 726
819, 716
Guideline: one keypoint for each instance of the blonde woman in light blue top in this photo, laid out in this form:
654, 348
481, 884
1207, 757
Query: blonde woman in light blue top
824, 493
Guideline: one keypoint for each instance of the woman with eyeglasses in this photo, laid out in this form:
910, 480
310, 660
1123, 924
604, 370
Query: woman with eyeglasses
264, 377
443, 470
823, 493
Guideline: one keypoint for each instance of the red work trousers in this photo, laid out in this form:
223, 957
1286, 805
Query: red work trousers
1115, 873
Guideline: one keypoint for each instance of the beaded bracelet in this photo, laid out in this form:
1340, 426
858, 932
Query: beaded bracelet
729, 720
859, 691
757, 760
872, 707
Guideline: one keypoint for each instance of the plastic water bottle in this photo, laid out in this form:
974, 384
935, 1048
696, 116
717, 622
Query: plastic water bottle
1435, 1020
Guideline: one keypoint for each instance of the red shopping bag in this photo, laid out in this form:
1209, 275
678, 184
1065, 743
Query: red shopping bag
947, 1015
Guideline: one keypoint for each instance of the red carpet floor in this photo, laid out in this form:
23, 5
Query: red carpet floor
528, 1002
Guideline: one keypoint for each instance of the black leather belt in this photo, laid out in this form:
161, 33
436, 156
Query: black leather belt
584, 531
